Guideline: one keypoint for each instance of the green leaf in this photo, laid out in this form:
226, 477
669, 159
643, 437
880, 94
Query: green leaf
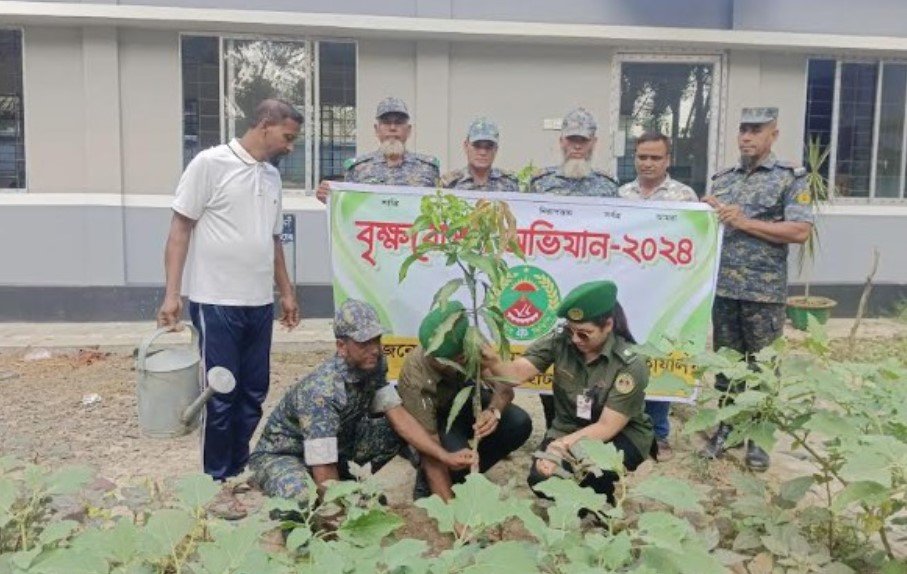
671, 491
234, 549
444, 293
864, 465
8, 493
830, 424
406, 556
870, 493
795, 489
508, 557
369, 528
68, 480
64, 561
299, 536
452, 364
458, 404
604, 455
763, 434
164, 531
437, 338
196, 490
404, 267
56, 531
704, 419
340, 489
663, 530
570, 496
439, 511
484, 263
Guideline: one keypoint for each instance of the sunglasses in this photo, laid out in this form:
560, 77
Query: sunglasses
581, 335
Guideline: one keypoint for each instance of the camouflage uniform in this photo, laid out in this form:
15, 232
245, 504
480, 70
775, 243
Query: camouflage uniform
416, 170
668, 190
498, 180
748, 313
577, 122
329, 417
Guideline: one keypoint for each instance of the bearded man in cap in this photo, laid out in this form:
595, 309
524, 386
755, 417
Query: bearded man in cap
428, 386
481, 147
391, 163
764, 205
345, 411
576, 176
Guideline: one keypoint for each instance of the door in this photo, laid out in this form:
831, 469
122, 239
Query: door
676, 95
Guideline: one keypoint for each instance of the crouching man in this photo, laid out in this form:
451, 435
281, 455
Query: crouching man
428, 387
343, 411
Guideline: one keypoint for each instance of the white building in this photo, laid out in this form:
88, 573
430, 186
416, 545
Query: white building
102, 104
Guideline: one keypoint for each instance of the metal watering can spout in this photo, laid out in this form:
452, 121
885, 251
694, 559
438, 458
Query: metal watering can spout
220, 381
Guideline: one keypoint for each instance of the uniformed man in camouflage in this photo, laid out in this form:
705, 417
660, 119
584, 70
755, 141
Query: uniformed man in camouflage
651, 159
764, 205
481, 147
334, 416
575, 176
391, 163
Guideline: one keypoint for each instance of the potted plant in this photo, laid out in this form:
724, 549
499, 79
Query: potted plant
799, 308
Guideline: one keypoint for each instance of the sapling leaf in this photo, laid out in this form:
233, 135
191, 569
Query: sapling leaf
439, 511
864, 492
447, 325
452, 364
795, 489
459, 401
404, 267
164, 531
67, 480
508, 557
370, 528
671, 491
604, 455
443, 294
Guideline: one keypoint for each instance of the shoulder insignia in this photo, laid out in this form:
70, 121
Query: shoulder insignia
624, 383
625, 352
450, 178
431, 160
799, 170
606, 175
725, 171
354, 161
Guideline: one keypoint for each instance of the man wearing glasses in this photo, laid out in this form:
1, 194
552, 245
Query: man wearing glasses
344, 411
481, 147
391, 163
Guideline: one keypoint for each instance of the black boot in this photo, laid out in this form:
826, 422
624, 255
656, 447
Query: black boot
421, 488
757, 459
716, 446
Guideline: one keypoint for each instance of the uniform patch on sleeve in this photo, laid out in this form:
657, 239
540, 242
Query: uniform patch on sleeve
803, 198
624, 383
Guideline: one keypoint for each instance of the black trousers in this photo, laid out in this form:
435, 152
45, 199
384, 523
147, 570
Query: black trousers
603, 484
513, 430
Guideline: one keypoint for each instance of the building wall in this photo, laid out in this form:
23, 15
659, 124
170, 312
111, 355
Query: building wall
875, 18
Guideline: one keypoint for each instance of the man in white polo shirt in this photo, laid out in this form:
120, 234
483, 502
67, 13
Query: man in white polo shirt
652, 158
227, 219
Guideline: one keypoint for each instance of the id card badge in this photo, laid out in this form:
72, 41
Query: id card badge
584, 407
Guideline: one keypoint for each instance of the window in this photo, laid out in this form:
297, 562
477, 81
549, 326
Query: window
224, 79
858, 109
12, 127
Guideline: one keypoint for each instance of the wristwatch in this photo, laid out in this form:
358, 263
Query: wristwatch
495, 412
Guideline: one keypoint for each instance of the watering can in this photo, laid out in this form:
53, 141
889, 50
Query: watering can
170, 395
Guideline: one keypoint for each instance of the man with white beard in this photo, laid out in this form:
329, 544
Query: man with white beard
391, 163
575, 176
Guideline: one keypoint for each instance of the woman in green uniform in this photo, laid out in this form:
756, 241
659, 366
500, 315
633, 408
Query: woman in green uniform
599, 382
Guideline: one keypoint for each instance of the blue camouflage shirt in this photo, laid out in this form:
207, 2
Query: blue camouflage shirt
753, 269
552, 180
321, 411
498, 180
417, 170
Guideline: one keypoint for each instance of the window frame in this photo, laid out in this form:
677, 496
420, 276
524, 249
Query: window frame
25, 122
312, 95
839, 61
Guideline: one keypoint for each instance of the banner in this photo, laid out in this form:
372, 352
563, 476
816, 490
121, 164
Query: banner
662, 255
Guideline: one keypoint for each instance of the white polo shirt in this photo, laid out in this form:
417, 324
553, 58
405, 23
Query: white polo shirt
236, 203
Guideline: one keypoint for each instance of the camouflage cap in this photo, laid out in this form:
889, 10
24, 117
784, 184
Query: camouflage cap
758, 115
357, 320
579, 122
391, 105
483, 129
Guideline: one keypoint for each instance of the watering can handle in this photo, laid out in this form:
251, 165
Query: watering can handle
149, 340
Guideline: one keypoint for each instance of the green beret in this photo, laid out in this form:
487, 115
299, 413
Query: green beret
588, 301
453, 340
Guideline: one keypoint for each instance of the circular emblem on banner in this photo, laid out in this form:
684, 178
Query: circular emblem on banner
529, 301
624, 383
